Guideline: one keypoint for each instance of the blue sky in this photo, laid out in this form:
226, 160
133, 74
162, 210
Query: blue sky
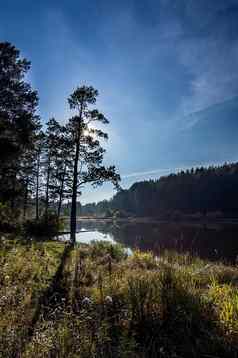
158, 64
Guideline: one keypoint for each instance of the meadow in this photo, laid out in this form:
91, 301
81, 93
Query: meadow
96, 301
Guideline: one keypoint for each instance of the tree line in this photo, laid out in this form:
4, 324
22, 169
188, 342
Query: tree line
43, 165
200, 190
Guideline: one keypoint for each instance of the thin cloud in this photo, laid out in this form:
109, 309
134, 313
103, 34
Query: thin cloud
139, 174
167, 170
154, 171
210, 55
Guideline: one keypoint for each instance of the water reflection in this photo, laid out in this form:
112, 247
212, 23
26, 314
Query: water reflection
213, 241
85, 236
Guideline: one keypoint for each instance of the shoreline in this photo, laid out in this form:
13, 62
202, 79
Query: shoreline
148, 220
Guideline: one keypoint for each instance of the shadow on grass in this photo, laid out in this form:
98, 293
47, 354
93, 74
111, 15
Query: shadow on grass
51, 297
185, 327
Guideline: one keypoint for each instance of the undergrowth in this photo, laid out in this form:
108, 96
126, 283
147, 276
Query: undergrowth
26, 270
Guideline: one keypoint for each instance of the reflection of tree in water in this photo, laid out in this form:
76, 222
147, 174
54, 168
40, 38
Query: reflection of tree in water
209, 242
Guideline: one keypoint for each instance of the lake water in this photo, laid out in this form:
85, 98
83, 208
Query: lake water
86, 237
208, 241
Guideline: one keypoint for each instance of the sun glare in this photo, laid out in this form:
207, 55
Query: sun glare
89, 132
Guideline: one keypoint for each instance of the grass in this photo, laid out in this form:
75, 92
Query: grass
105, 304
26, 270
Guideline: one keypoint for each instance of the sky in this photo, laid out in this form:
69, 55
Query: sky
165, 71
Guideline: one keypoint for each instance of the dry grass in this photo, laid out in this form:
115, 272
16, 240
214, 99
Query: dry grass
110, 305
26, 270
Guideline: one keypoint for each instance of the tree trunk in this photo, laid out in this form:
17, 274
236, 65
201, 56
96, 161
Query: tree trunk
61, 192
13, 189
47, 188
37, 186
25, 200
74, 196
75, 182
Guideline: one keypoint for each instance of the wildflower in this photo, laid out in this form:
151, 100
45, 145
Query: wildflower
89, 318
86, 301
161, 350
108, 299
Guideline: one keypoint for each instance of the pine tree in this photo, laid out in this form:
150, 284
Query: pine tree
18, 120
87, 151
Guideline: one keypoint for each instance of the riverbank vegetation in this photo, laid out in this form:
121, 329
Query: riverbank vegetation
95, 301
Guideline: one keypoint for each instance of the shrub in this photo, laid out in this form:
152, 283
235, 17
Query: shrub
8, 221
145, 260
45, 227
102, 248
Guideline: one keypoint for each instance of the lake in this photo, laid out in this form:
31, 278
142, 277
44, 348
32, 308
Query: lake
208, 241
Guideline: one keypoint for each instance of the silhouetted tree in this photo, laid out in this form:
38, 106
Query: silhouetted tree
18, 120
51, 154
39, 145
88, 153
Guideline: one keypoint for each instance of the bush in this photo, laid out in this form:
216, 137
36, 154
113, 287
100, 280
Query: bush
46, 226
120, 214
8, 221
102, 248
144, 260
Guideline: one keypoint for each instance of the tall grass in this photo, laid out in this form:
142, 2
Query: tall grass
26, 270
111, 305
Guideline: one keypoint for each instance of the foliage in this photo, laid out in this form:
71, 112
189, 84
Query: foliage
8, 221
116, 252
145, 260
40, 169
18, 121
47, 226
87, 151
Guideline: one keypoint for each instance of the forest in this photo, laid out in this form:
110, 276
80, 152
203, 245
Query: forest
202, 190
42, 165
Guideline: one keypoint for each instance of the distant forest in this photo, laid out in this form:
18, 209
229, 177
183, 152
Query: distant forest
200, 191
